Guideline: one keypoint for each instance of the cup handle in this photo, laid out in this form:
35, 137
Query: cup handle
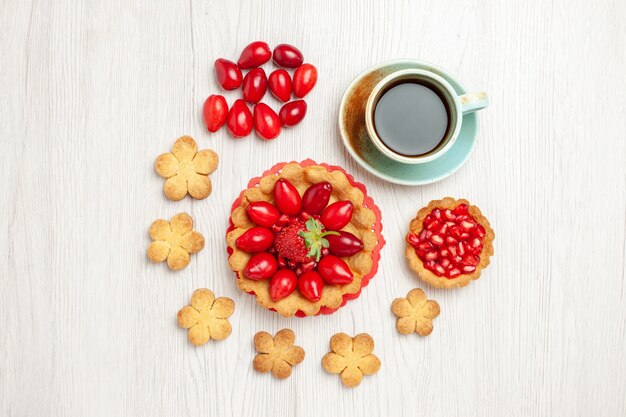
473, 101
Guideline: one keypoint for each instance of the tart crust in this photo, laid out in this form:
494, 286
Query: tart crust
416, 264
365, 224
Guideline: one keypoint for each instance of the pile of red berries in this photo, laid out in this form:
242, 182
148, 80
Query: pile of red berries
254, 85
298, 242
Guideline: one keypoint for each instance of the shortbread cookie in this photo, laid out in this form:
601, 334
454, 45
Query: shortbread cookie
277, 354
415, 313
351, 358
206, 317
174, 241
449, 243
186, 170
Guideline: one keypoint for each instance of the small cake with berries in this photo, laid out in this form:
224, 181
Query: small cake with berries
449, 243
304, 238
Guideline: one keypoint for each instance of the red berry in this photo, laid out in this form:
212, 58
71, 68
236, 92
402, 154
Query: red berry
337, 215
256, 239
290, 245
214, 112
311, 285
315, 198
287, 198
254, 85
280, 85
304, 80
292, 113
260, 266
228, 74
239, 119
287, 56
344, 244
282, 284
334, 270
263, 213
266, 121
255, 54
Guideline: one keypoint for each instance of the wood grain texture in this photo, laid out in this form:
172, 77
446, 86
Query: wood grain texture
92, 91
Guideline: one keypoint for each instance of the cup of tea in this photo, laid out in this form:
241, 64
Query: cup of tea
414, 116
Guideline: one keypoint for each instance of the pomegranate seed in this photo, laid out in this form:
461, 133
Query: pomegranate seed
436, 239
282, 262
468, 224
461, 248
480, 231
276, 228
445, 262
469, 268
304, 216
443, 229
437, 214
299, 271
452, 250
439, 270
461, 217
431, 256
425, 246
450, 224
429, 265
309, 266
420, 253
454, 273
458, 259
422, 235
444, 253
283, 220
465, 236
472, 260
433, 225
456, 231
292, 264
447, 213
476, 242
324, 251
460, 209
413, 239
477, 250
451, 241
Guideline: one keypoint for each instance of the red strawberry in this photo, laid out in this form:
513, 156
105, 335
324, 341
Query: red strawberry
301, 242
290, 244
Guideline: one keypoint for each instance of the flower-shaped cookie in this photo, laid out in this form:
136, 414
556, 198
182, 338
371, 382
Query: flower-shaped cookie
174, 241
206, 317
277, 354
415, 313
351, 358
186, 170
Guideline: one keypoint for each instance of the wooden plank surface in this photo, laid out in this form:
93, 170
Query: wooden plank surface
92, 91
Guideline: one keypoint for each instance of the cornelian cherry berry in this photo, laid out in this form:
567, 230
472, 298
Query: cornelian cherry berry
228, 74
292, 113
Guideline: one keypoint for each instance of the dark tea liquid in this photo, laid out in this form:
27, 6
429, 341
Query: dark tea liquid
411, 119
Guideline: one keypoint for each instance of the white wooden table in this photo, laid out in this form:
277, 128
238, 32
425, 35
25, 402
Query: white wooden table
92, 91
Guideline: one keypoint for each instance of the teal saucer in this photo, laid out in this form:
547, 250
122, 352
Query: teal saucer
357, 141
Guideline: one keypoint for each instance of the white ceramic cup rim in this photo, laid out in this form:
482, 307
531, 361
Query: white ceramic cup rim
454, 106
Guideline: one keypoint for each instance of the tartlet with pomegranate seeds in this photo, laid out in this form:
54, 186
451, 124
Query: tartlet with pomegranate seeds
449, 243
304, 238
